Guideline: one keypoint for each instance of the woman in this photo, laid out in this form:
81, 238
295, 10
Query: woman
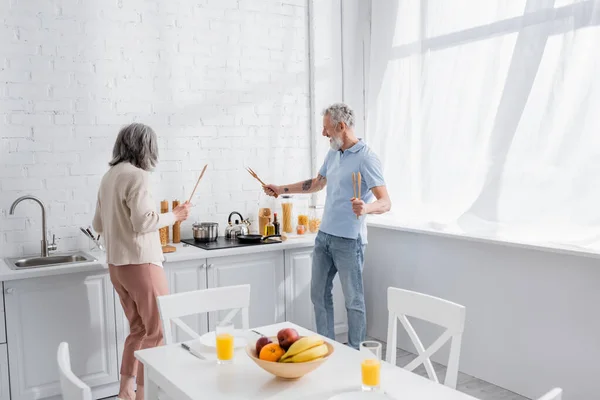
126, 216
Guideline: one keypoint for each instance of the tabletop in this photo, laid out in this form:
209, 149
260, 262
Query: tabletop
183, 376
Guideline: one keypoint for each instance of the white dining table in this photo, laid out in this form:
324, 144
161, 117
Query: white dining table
182, 376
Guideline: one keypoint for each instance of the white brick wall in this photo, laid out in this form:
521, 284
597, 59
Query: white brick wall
223, 82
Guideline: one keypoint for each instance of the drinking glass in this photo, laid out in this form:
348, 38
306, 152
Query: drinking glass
224, 337
371, 365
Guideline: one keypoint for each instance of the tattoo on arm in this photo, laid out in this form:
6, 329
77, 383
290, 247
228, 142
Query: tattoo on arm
286, 189
307, 185
320, 177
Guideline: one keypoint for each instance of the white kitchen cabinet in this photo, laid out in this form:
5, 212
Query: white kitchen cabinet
2, 321
265, 274
182, 276
41, 312
299, 308
186, 276
4, 385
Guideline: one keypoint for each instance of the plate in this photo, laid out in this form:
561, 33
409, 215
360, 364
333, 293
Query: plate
239, 339
360, 396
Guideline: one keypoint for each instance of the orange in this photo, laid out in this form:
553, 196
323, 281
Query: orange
271, 352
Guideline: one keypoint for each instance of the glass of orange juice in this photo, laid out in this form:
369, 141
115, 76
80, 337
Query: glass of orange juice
224, 337
370, 365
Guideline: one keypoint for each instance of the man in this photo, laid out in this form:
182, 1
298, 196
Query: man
342, 238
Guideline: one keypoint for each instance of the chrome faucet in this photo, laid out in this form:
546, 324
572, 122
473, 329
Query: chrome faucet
46, 248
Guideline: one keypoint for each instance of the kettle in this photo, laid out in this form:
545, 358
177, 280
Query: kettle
233, 230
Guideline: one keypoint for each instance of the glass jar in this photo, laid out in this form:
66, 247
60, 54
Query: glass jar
314, 218
287, 213
266, 207
301, 205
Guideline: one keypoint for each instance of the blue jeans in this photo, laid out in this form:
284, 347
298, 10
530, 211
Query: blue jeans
331, 255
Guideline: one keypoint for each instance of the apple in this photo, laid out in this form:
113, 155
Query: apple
260, 343
287, 337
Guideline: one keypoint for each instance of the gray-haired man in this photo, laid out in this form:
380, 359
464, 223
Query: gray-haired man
342, 237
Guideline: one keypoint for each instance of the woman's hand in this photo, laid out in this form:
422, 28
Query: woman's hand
182, 211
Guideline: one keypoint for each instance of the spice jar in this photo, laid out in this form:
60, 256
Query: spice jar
314, 219
287, 210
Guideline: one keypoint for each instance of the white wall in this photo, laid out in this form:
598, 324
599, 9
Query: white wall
532, 316
223, 82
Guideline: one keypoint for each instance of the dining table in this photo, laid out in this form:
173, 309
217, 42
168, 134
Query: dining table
173, 371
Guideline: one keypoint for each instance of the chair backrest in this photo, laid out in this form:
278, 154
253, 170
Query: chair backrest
71, 386
554, 394
174, 306
405, 303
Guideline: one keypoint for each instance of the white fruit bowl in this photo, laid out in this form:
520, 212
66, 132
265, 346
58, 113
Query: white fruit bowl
287, 370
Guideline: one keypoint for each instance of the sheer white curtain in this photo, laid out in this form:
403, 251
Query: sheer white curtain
486, 115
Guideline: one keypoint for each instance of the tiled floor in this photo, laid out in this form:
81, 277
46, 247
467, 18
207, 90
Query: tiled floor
475, 387
467, 384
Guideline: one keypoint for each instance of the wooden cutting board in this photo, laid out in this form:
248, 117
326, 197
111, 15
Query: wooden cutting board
168, 249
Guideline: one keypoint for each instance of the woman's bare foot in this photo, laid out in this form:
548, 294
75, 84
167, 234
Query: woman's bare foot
139, 393
126, 391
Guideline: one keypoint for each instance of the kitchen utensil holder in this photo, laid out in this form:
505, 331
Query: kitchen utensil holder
97, 244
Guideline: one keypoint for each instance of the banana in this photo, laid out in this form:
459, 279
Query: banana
301, 345
311, 354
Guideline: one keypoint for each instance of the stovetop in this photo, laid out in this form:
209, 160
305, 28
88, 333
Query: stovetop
223, 243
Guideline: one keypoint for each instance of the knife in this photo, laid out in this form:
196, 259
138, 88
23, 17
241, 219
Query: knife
90, 232
192, 351
85, 232
258, 333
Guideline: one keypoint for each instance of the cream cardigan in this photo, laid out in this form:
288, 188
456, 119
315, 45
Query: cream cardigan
126, 217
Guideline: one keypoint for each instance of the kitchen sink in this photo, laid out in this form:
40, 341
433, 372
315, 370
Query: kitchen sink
50, 261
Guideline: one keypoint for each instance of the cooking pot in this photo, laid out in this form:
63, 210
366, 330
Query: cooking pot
205, 231
233, 231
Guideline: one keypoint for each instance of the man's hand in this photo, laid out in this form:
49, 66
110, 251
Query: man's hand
272, 190
359, 207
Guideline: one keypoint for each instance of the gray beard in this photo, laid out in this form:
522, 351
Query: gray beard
336, 144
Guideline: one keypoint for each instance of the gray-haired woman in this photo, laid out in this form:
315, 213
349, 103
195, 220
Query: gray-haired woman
126, 216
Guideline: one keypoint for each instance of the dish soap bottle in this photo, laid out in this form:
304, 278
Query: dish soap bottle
276, 225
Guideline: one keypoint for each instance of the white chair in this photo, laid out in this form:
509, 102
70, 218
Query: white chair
554, 394
173, 307
403, 303
71, 386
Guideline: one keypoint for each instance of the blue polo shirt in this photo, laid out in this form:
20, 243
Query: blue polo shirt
338, 218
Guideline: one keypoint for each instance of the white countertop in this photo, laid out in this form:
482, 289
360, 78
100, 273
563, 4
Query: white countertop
183, 253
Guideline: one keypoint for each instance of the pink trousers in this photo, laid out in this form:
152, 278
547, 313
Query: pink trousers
138, 285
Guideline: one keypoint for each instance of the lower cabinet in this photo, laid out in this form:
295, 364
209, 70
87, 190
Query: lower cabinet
263, 271
265, 274
4, 383
299, 308
42, 312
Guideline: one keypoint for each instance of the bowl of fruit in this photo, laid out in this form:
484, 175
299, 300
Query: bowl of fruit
289, 355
